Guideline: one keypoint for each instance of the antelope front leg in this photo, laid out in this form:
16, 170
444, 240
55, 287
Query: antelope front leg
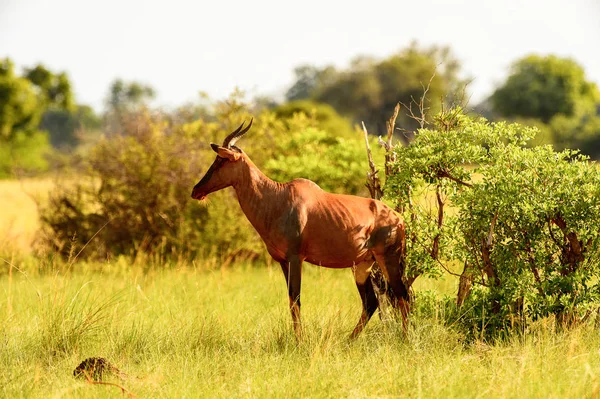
292, 270
393, 268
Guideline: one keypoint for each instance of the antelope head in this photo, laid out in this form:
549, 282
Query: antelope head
225, 170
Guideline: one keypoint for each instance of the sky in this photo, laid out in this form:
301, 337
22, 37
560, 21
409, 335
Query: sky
183, 47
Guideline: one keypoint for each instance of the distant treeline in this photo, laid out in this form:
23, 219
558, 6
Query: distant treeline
41, 121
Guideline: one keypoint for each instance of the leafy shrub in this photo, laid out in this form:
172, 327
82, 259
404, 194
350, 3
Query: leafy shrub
531, 228
135, 198
336, 164
325, 116
135, 195
523, 220
24, 154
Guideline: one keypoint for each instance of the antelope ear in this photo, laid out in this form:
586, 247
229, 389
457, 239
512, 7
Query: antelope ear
215, 147
227, 153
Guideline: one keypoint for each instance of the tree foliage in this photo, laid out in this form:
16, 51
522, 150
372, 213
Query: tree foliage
308, 79
523, 221
336, 164
322, 114
124, 98
369, 88
22, 145
554, 95
53, 89
542, 87
127, 96
63, 126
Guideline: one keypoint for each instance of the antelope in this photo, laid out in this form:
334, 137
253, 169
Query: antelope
298, 222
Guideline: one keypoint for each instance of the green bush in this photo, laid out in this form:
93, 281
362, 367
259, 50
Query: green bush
523, 220
324, 115
336, 164
134, 197
24, 154
531, 228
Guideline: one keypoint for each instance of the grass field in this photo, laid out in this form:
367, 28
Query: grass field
196, 330
226, 333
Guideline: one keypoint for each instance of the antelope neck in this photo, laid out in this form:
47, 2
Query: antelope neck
259, 197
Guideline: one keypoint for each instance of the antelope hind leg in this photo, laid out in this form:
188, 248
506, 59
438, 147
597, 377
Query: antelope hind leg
370, 303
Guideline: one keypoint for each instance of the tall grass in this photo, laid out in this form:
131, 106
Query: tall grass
201, 329
189, 332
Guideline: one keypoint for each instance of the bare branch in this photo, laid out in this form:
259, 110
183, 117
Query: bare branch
421, 117
391, 123
373, 182
382, 143
435, 247
444, 173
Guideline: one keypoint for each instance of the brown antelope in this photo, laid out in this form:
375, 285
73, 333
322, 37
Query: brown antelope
298, 222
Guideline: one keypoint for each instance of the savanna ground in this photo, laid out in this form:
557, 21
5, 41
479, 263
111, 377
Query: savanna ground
200, 330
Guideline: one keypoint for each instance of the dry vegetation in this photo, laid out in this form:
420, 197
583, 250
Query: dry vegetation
19, 217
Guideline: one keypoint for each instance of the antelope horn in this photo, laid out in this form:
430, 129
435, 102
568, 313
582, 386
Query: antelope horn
232, 135
235, 136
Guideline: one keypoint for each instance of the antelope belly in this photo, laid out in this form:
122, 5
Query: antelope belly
337, 253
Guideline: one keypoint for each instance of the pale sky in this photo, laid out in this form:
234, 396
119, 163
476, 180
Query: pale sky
183, 47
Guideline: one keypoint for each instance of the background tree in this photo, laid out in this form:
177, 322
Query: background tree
308, 80
554, 95
53, 89
369, 88
22, 145
63, 126
542, 87
62, 117
325, 116
124, 98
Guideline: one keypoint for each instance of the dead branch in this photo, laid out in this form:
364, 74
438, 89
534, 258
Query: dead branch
373, 182
421, 118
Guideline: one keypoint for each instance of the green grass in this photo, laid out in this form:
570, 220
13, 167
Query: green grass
186, 332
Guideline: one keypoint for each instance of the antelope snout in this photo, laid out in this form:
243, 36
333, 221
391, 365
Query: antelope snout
196, 194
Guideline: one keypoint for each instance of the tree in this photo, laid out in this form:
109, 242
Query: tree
22, 145
308, 79
21, 109
53, 89
369, 88
524, 221
126, 96
63, 125
542, 87
61, 118
336, 164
